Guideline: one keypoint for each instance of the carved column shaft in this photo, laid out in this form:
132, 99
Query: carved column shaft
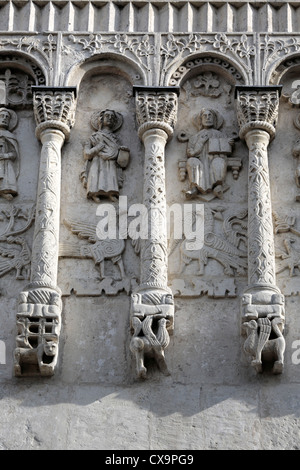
257, 111
54, 113
152, 309
156, 116
261, 254
154, 260
262, 302
46, 235
39, 310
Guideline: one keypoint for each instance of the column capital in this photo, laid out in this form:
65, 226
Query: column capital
257, 108
156, 108
54, 108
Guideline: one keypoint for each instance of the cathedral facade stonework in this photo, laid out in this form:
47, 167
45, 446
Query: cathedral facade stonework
149, 225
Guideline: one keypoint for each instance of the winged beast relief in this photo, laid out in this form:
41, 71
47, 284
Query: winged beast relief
225, 243
228, 248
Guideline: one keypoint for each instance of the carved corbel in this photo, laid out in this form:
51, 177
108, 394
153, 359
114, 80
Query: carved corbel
152, 309
262, 302
39, 311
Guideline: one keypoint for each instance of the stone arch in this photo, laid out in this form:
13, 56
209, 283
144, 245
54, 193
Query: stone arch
284, 68
286, 72
106, 63
26, 63
103, 82
18, 72
206, 61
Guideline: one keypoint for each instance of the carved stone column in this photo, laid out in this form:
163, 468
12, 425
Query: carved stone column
262, 302
39, 311
152, 310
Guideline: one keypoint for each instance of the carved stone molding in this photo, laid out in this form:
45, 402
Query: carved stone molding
156, 117
239, 49
54, 113
205, 61
262, 302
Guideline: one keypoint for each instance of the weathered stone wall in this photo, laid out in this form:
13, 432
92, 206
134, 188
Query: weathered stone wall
157, 65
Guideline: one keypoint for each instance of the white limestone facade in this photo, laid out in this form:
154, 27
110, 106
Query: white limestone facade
149, 225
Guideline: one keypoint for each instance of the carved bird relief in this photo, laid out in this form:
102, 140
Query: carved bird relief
97, 249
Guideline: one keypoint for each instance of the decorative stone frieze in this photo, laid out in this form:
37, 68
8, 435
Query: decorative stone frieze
152, 309
262, 302
40, 303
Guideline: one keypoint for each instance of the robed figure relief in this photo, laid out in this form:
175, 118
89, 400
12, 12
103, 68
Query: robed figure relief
105, 157
207, 153
9, 154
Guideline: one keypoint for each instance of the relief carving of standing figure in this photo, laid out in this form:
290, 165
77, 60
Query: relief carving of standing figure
105, 157
207, 155
9, 154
